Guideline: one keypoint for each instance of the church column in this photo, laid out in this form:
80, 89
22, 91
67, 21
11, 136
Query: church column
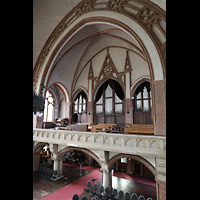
161, 179
60, 167
54, 149
106, 172
90, 88
107, 177
128, 99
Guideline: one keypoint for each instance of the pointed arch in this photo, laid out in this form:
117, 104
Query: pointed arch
88, 152
135, 157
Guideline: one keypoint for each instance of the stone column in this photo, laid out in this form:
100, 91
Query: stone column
60, 168
107, 177
161, 179
107, 173
55, 166
54, 149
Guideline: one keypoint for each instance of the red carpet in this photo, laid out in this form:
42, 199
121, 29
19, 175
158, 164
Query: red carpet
135, 178
67, 192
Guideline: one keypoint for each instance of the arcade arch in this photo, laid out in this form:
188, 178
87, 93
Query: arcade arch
140, 159
86, 151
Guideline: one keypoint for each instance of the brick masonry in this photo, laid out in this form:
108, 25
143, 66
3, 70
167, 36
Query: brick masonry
160, 107
161, 190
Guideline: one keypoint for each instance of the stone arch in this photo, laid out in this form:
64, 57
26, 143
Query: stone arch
135, 157
137, 83
64, 90
77, 91
88, 152
39, 146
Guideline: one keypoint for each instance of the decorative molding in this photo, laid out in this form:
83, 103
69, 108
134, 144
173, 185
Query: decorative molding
108, 69
150, 146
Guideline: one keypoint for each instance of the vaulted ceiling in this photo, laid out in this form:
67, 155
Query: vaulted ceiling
82, 47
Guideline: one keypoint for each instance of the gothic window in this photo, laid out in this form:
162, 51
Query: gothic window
143, 99
142, 104
49, 107
80, 103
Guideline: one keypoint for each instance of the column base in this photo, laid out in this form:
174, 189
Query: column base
55, 178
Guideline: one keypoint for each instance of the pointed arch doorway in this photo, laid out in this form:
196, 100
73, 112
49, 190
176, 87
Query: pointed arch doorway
108, 104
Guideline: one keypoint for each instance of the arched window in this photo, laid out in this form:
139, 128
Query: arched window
108, 105
79, 108
142, 104
49, 107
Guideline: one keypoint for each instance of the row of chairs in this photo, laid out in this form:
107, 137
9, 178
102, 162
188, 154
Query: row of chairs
108, 194
46, 172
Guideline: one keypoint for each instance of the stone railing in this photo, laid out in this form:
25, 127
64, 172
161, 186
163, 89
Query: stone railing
120, 143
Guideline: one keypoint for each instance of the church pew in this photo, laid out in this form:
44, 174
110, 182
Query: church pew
100, 127
140, 129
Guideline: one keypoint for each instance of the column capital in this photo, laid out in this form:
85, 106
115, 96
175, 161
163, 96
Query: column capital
105, 170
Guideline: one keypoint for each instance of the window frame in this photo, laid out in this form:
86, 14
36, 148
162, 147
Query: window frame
80, 104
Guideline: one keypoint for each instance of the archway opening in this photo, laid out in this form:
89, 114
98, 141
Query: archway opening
42, 159
135, 172
78, 162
